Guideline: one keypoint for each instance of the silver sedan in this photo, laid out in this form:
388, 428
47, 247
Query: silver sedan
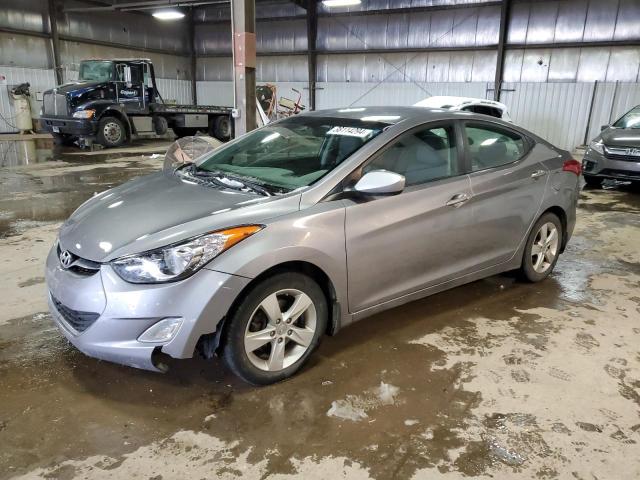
293, 231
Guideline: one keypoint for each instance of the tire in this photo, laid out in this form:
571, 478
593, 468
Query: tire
111, 132
593, 182
160, 125
220, 128
261, 365
533, 268
62, 139
184, 131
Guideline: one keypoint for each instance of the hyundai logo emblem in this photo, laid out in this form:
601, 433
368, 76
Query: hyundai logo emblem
66, 258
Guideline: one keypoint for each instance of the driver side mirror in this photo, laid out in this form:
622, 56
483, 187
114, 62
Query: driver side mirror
603, 128
380, 182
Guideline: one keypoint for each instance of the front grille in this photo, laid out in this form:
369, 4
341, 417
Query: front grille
76, 319
54, 104
625, 154
81, 266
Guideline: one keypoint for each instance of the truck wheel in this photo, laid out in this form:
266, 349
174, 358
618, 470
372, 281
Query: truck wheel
63, 140
184, 131
221, 128
111, 132
160, 125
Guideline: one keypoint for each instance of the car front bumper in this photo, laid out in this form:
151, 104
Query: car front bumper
69, 126
620, 168
119, 312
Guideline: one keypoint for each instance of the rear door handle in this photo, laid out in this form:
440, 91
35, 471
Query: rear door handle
458, 200
538, 173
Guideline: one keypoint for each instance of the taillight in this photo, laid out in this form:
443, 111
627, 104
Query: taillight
572, 166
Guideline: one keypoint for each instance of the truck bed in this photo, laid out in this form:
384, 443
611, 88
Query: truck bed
162, 108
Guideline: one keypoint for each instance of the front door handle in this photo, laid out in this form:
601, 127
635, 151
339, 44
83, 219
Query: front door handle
538, 173
458, 200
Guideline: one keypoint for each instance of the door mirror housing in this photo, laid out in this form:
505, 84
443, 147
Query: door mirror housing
603, 128
380, 182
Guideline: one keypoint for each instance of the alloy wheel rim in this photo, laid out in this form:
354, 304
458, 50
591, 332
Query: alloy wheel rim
545, 247
112, 132
280, 330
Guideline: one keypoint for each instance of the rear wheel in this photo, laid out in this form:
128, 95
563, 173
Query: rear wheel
111, 132
542, 248
220, 128
184, 131
593, 182
275, 329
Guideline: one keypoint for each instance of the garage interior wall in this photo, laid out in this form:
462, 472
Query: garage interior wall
560, 55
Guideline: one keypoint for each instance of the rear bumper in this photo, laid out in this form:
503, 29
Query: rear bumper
69, 126
597, 165
123, 311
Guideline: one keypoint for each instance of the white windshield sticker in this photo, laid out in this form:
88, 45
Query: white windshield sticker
350, 131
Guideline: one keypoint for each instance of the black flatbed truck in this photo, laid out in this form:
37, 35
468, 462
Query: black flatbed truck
116, 99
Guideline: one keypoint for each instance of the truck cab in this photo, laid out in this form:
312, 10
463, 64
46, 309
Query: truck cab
113, 100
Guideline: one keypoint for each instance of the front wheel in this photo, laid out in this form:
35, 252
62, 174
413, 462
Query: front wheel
111, 132
542, 248
275, 329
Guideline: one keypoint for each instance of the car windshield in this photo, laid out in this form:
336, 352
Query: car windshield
96, 71
631, 119
293, 153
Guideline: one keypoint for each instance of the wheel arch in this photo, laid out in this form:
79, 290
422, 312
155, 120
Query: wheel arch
210, 344
562, 215
120, 115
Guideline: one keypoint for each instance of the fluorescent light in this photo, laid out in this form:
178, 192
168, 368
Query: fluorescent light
340, 3
168, 14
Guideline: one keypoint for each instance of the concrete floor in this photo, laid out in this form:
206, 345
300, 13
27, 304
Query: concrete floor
497, 378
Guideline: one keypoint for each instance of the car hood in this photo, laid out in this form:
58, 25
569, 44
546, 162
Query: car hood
77, 87
621, 137
158, 210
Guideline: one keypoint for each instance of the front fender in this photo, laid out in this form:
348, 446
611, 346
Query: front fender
314, 235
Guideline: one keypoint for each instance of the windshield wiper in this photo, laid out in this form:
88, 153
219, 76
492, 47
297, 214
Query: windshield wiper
218, 177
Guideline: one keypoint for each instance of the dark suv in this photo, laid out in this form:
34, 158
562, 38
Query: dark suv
615, 153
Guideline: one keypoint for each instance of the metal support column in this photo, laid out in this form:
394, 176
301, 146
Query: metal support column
194, 59
243, 28
55, 41
502, 39
312, 34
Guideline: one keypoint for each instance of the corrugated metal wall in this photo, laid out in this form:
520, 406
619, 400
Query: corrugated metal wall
556, 111
40, 80
548, 86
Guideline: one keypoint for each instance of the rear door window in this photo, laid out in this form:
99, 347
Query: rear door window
491, 146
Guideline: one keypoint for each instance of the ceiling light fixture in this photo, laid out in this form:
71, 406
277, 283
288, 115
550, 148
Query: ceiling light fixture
340, 3
168, 14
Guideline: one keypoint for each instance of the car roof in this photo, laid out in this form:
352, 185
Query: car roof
393, 115
451, 101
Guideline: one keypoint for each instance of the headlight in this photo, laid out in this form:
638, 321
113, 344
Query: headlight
84, 114
178, 261
597, 146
